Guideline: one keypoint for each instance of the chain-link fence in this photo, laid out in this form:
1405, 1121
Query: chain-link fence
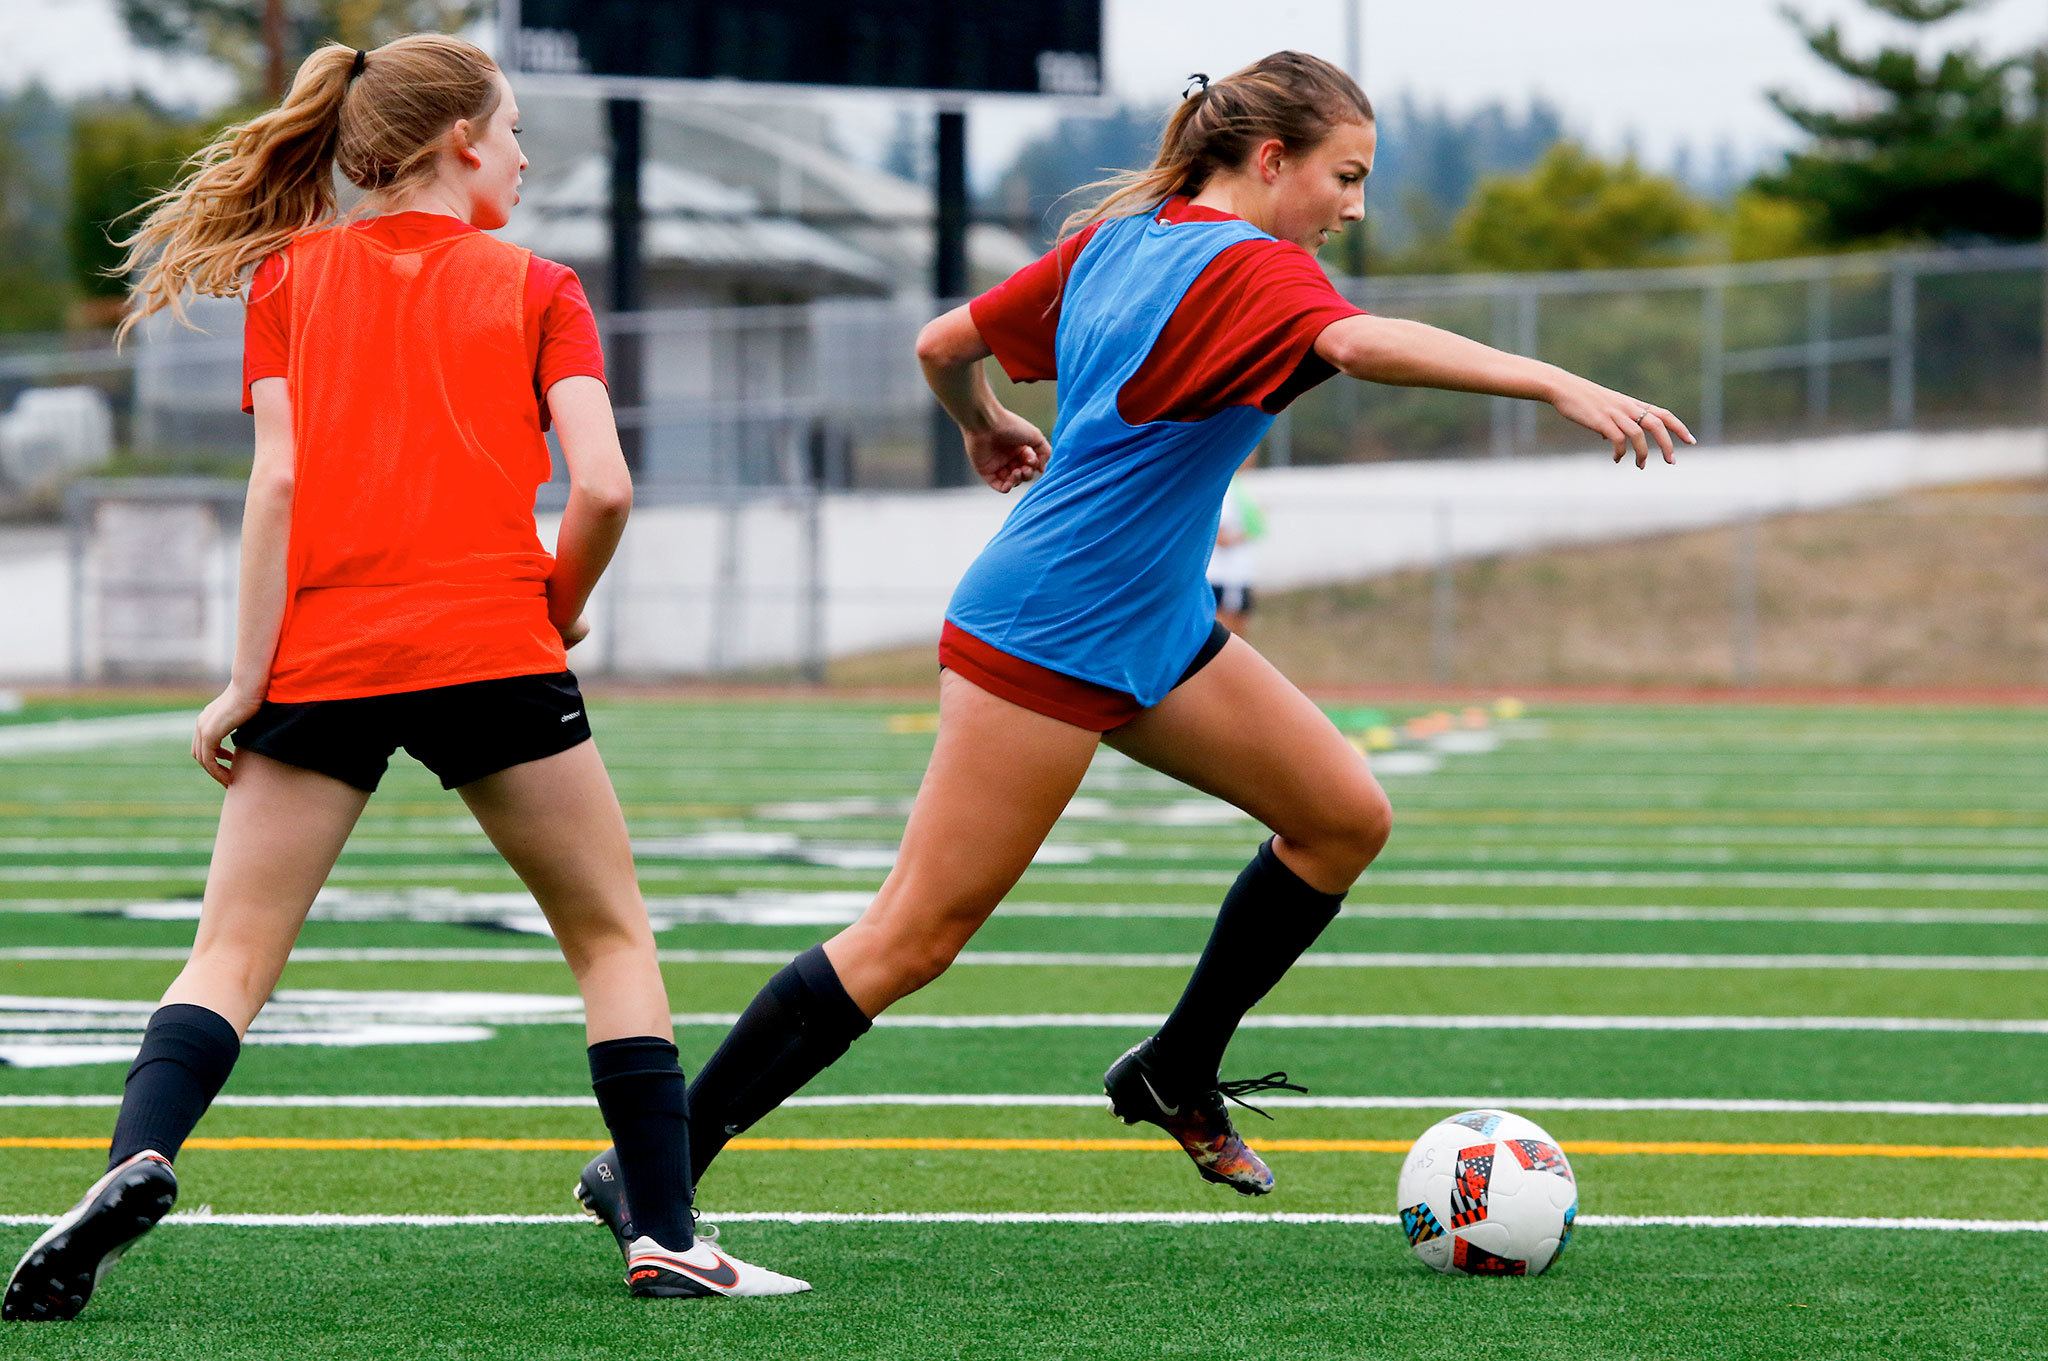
785, 524
1744, 352
1932, 590
1539, 582
828, 394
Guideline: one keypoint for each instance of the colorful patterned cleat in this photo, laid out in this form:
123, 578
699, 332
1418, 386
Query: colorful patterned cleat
57, 1274
1198, 1120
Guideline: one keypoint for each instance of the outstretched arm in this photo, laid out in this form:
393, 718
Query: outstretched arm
1410, 354
1006, 450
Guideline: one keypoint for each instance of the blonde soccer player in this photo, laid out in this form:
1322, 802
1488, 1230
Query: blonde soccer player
401, 365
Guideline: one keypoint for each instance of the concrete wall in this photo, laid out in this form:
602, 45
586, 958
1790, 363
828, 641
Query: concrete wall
716, 587
891, 561
1330, 524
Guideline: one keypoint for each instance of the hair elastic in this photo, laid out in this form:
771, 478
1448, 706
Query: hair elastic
1197, 83
362, 60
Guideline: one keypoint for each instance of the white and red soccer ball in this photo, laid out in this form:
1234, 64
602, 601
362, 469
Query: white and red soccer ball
1487, 1193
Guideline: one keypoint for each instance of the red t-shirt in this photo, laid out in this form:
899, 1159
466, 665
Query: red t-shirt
561, 333
414, 561
1243, 335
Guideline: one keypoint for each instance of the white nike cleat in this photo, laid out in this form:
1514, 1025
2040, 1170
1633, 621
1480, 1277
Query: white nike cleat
653, 1271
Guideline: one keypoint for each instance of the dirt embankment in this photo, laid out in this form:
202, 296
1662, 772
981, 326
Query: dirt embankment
1936, 589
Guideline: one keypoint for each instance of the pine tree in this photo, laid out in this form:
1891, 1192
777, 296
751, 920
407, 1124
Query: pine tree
1948, 149
231, 31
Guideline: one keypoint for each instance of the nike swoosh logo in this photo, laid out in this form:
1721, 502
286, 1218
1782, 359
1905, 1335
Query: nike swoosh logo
725, 1277
1157, 1100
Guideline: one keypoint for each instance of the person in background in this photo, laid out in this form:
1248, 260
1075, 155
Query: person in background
1233, 565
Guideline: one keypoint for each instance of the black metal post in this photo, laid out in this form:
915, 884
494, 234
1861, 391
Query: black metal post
622, 364
1355, 244
949, 273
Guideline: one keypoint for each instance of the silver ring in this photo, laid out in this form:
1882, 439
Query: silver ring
1642, 416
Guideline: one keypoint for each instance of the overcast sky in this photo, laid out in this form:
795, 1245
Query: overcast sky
1666, 71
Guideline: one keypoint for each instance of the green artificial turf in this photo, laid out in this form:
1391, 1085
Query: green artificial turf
1908, 825
212, 1294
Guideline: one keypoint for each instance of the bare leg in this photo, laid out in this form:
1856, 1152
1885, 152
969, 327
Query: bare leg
281, 830
558, 824
1241, 731
999, 778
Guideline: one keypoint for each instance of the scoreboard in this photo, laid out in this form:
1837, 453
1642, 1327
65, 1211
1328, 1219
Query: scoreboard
1051, 47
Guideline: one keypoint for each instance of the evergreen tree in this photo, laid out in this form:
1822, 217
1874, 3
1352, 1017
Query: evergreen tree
1945, 149
231, 31
34, 283
911, 151
1428, 161
123, 152
1034, 193
1443, 154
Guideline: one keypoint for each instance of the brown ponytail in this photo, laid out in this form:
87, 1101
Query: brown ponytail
1289, 95
379, 120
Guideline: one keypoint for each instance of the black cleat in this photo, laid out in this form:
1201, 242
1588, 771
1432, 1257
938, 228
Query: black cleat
1197, 1119
56, 1276
601, 1191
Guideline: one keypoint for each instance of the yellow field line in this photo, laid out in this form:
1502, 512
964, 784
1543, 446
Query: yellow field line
286, 1144
942, 1145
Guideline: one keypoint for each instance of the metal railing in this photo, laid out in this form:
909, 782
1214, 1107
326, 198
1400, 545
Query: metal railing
1920, 589
828, 393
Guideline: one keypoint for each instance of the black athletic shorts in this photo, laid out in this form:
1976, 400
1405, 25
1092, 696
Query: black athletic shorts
460, 732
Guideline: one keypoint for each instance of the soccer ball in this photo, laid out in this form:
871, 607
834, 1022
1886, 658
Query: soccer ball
1487, 1193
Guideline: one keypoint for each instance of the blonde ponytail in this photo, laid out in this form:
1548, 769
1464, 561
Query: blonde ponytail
1293, 96
378, 117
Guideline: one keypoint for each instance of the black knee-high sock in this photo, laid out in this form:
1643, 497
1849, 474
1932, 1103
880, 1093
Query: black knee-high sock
186, 1054
795, 1028
645, 1104
1269, 918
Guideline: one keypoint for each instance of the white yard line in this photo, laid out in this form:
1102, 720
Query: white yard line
87, 734
184, 1219
1709, 879
1042, 959
1145, 1022
37, 1013
48, 1014
799, 908
866, 861
1040, 1100
195, 852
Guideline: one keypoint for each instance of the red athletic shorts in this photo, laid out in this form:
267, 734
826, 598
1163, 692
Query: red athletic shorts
1084, 704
